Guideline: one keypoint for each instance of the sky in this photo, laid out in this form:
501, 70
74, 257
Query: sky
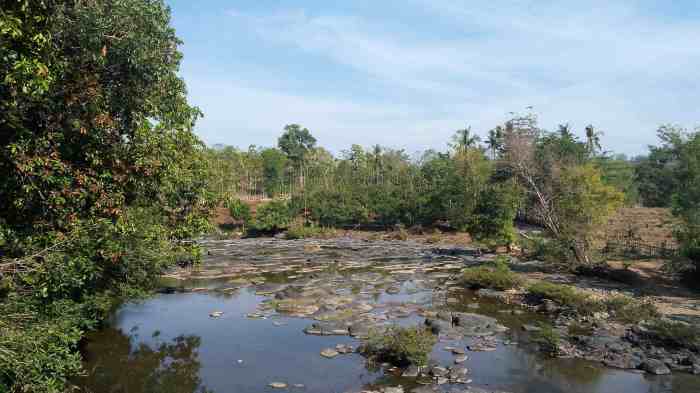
407, 74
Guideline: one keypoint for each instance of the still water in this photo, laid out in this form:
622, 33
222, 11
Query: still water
170, 344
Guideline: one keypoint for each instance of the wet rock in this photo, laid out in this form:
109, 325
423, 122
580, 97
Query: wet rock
425, 389
329, 353
457, 373
458, 351
216, 314
344, 349
476, 325
411, 372
550, 307
278, 385
656, 367
460, 359
438, 371
392, 389
326, 329
531, 328
492, 294
437, 326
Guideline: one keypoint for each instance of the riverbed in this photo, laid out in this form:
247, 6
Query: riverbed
257, 313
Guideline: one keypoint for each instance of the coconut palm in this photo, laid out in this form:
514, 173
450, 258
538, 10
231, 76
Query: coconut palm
464, 139
494, 142
593, 140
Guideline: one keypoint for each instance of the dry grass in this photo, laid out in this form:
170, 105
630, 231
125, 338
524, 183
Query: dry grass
652, 226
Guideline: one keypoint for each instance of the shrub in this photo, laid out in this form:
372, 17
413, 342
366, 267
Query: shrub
400, 346
548, 339
567, 296
301, 231
674, 333
497, 276
272, 216
494, 215
629, 310
239, 210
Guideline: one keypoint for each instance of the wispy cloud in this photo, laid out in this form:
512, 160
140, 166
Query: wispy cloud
616, 66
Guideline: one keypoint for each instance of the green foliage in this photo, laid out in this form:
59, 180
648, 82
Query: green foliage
400, 346
567, 296
300, 231
272, 216
296, 142
499, 276
674, 333
655, 173
102, 176
495, 213
583, 207
619, 172
239, 210
686, 201
548, 339
629, 310
273, 166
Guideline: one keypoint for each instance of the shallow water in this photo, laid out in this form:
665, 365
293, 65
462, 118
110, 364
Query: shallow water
169, 343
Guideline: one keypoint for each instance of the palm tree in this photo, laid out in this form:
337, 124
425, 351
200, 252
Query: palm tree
464, 139
565, 131
593, 140
495, 141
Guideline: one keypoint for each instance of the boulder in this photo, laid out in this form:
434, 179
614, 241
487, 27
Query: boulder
656, 367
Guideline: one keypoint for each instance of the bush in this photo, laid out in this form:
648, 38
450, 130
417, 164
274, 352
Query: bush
301, 231
494, 215
497, 276
548, 339
400, 346
272, 216
567, 296
629, 310
674, 334
239, 210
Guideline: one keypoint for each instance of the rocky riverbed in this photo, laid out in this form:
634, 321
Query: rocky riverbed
339, 291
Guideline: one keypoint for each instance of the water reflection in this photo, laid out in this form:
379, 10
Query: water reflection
115, 367
170, 344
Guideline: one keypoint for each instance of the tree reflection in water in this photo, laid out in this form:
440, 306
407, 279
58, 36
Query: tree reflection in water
114, 365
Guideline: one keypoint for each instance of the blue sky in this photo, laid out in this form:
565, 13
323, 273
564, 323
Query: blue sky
406, 74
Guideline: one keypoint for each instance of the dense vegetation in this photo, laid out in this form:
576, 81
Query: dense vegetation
101, 174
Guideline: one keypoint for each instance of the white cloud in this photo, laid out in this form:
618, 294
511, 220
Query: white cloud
610, 65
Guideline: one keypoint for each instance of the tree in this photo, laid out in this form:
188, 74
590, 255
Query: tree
581, 207
274, 163
463, 139
593, 140
101, 174
655, 173
686, 201
565, 192
494, 142
296, 142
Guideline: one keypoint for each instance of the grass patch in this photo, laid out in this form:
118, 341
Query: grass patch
674, 334
548, 339
400, 346
567, 296
580, 329
495, 276
621, 308
629, 310
301, 231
